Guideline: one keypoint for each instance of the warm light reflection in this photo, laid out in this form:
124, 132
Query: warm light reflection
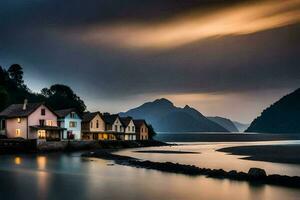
41, 162
18, 160
237, 20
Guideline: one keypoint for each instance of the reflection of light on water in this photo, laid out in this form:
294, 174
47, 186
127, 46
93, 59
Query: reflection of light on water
42, 184
41, 162
18, 160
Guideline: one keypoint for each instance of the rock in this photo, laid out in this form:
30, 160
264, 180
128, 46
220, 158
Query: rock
257, 173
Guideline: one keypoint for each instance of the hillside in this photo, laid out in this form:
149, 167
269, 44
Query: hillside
226, 123
241, 126
165, 117
281, 117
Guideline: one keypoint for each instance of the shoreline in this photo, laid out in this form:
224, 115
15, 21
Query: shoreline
74, 146
254, 175
289, 154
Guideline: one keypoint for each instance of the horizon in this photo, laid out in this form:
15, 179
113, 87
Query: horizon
192, 53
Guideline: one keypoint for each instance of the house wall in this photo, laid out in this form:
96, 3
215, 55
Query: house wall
65, 123
130, 128
35, 117
101, 124
12, 125
117, 126
144, 132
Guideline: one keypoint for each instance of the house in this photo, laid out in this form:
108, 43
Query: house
129, 128
71, 121
31, 121
92, 126
113, 127
142, 130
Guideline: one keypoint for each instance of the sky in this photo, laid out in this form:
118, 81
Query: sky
230, 58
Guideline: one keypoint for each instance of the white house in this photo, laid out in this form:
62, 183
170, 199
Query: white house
71, 121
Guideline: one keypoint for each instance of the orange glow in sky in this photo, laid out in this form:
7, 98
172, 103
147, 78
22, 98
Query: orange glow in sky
181, 30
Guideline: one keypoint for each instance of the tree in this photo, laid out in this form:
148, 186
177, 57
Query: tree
4, 98
15, 72
62, 97
151, 132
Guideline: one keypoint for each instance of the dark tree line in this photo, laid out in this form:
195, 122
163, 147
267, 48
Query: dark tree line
13, 90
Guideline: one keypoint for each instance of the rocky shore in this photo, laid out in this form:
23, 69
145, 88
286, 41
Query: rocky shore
254, 175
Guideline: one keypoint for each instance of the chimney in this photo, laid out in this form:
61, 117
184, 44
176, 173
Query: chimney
25, 104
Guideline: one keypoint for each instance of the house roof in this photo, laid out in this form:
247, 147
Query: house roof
65, 112
125, 120
110, 119
139, 122
16, 110
89, 116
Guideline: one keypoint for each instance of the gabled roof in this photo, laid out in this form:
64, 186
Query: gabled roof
125, 120
110, 119
89, 116
139, 122
65, 112
16, 110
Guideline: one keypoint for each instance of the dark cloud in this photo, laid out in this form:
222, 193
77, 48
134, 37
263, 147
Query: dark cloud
264, 60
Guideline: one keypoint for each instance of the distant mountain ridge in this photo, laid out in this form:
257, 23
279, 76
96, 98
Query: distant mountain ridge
281, 117
226, 123
165, 117
241, 126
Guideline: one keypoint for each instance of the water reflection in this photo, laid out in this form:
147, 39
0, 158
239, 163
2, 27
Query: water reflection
68, 176
18, 160
210, 158
41, 162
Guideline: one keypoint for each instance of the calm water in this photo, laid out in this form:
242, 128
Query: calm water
68, 176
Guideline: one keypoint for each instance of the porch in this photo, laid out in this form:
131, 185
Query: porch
48, 133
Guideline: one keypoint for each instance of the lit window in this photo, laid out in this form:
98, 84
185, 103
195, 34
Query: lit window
41, 134
18, 132
19, 120
49, 123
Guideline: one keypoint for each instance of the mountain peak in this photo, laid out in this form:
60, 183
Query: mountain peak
186, 107
163, 101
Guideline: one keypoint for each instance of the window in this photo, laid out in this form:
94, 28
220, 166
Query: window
19, 120
91, 124
2, 124
43, 111
72, 124
128, 128
142, 130
116, 128
72, 115
42, 122
41, 134
97, 124
18, 132
49, 123
133, 129
121, 128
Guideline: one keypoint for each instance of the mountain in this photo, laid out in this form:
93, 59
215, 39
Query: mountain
281, 117
241, 126
226, 123
165, 117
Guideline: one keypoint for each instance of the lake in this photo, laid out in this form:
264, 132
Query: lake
68, 176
